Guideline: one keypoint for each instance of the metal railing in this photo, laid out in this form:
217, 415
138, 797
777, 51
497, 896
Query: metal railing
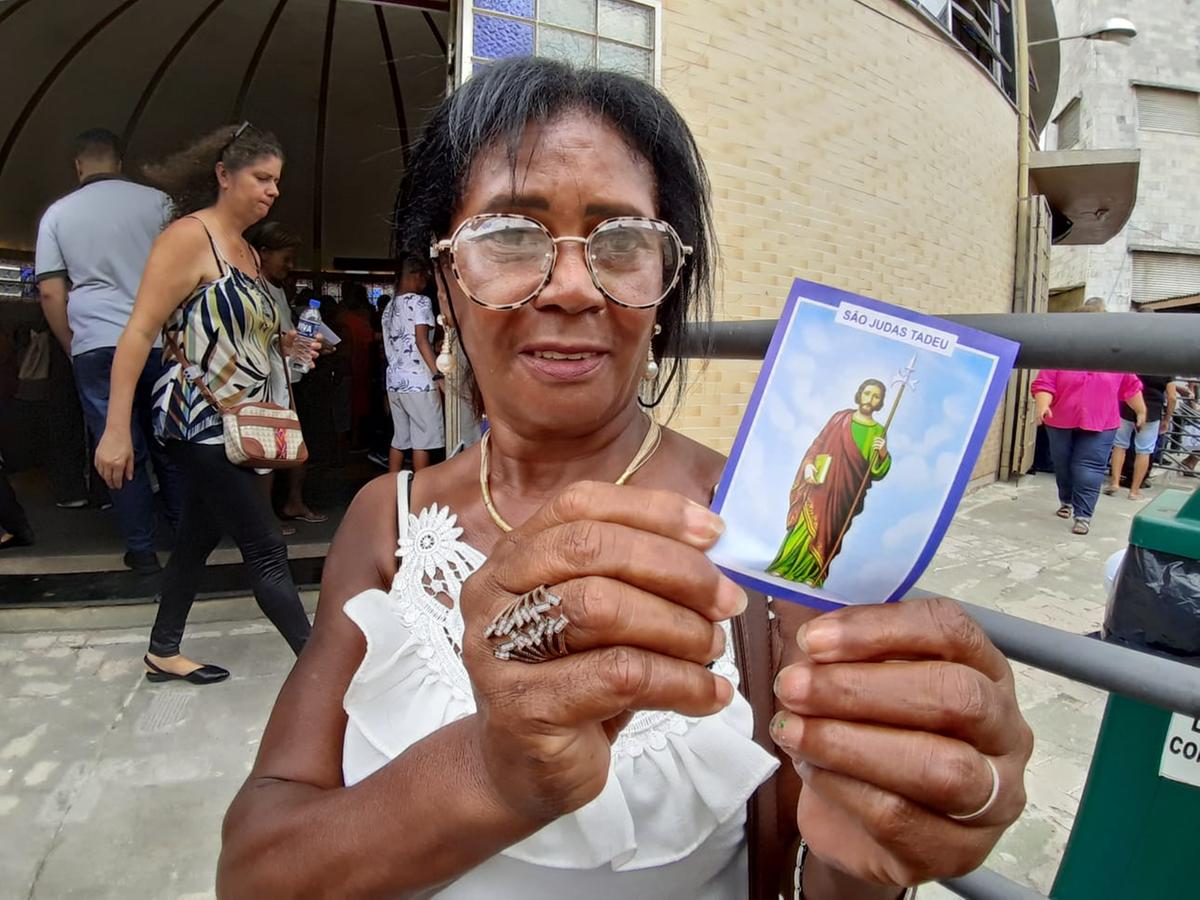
1146, 343
1180, 443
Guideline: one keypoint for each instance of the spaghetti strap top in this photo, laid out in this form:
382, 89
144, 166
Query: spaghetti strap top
226, 329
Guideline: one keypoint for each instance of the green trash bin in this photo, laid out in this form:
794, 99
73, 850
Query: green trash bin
1135, 834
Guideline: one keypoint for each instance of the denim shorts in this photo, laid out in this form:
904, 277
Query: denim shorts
1145, 441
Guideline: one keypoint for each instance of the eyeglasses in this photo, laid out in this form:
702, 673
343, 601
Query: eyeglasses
241, 129
503, 261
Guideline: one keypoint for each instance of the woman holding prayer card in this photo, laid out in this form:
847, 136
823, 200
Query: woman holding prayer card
525, 678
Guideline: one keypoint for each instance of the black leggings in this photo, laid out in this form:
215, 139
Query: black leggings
221, 498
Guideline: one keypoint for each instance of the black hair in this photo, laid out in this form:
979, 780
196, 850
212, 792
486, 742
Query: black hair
413, 264
97, 144
354, 295
270, 236
493, 109
868, 383
189, 176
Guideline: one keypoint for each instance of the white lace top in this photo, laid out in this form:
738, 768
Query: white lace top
668, 824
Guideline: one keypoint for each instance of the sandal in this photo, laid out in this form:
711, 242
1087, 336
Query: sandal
1109, 490
1081, 526
310, 518
1064, 511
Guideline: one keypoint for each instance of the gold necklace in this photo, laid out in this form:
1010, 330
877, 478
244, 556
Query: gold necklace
649, 445
241, 248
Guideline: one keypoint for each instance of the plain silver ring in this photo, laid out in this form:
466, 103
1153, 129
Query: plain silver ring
991, 800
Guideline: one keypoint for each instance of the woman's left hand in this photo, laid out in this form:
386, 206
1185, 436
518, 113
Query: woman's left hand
891, 717
288, 345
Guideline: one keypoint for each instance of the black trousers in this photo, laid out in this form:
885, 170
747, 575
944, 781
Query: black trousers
221, 498
12, 514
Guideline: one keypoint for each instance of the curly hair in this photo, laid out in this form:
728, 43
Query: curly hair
493, 109
189, 176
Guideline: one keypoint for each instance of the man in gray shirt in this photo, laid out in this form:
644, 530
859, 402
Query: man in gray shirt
92, 246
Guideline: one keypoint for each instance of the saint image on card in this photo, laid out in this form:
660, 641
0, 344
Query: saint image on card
862, 432
831, 485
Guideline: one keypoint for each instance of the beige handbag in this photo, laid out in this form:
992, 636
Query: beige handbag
258, 435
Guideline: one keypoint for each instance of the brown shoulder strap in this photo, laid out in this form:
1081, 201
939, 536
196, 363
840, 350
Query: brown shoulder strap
175, 348
767, 835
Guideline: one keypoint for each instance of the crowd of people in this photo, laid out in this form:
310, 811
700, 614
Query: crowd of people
171, 299
92, 248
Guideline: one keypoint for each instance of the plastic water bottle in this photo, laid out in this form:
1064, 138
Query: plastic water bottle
306, 329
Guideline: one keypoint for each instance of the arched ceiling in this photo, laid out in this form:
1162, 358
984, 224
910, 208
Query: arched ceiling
343, 83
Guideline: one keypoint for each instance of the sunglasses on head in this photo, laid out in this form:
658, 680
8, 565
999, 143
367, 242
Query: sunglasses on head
241, 129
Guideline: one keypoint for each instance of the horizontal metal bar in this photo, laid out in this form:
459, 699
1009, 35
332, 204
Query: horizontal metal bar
1148, 343
1140, 676
984, 884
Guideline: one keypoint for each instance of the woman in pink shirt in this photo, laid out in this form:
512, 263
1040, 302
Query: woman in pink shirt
1081, 412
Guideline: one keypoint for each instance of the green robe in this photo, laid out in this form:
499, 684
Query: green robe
798, 558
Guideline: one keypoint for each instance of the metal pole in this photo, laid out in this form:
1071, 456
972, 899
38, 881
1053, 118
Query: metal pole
1021, 275
984, 884
1149, 343
1141, 676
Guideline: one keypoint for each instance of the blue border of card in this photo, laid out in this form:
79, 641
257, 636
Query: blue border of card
1005, 353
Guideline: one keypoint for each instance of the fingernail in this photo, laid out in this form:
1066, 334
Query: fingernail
785, 729
703, 525
818, 637
724, 691
732, 600
777, 723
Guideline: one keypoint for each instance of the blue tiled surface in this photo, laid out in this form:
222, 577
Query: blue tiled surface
495, 38
512, 7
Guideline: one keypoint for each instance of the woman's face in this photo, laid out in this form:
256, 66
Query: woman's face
572, 173
253, 189
278, 264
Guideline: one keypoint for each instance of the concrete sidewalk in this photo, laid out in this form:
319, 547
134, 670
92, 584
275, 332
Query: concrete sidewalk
111, 787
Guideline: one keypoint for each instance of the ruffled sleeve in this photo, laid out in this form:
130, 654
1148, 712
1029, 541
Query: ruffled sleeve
664, 800
397, 697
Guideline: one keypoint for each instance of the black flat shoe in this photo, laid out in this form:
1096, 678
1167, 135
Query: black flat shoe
17, 540
203, 675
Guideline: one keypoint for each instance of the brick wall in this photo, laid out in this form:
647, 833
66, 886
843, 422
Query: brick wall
847, 149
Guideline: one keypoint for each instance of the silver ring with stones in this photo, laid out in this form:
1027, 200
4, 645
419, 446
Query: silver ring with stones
530, 629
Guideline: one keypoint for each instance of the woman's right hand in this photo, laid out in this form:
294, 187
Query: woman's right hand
114, 457
642, 601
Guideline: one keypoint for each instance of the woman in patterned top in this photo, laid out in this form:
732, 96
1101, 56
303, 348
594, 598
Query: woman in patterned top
202, 288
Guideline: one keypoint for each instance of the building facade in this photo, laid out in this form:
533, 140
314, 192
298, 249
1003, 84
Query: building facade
1144, 96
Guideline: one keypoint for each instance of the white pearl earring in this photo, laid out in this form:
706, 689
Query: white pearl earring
651, 366
445, 359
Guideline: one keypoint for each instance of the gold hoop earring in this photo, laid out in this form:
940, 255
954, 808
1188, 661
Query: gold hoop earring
445, 359
651, 366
